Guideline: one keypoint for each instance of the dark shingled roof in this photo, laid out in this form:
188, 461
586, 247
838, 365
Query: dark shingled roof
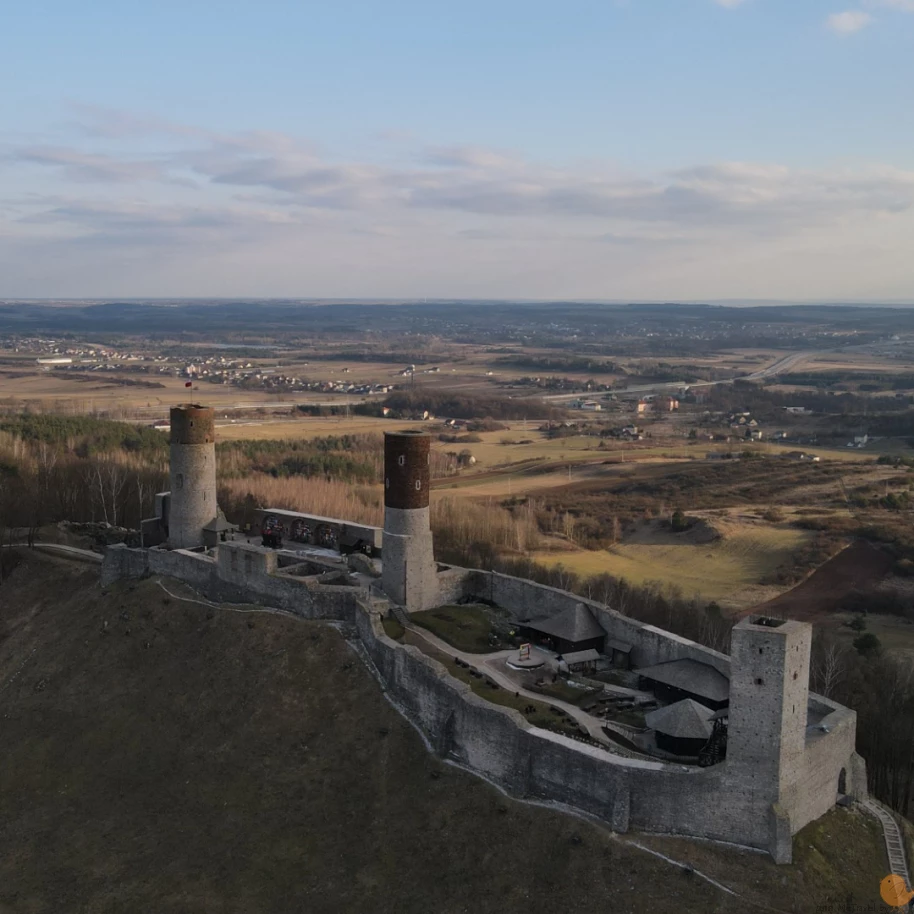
587, 656
690, 676
219, 523
686, 719
575, 624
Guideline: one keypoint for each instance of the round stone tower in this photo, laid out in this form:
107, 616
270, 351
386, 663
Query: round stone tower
409, 573
193, 475
406, 482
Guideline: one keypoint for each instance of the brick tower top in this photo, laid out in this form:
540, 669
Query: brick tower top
192, 424
406, 469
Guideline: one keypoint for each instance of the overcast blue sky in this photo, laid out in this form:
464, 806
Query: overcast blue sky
641, 149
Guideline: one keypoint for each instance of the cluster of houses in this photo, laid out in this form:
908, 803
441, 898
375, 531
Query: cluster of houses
244, 374
657, 404
593, 406
627, 433
86, 358
411, 370
743, 423
49, 349
421, 415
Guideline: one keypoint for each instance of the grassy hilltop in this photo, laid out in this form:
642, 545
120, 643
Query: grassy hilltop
160, 755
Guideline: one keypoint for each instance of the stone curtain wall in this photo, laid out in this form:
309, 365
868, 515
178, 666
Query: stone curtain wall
815, 786
305, 597
527, 599
499, 744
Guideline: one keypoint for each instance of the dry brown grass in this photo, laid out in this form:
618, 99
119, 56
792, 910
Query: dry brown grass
724, 570
453, 520
313, 495
306, 428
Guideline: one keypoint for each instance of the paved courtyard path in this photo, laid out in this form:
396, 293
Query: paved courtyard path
489, 665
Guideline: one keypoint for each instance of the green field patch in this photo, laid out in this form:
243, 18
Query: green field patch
393, 628
741, 558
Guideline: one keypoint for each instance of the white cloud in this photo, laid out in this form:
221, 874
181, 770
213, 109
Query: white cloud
84, 167
281, 172
848, 22
272, 208
730, 4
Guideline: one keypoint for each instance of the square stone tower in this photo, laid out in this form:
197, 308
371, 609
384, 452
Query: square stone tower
408, 570
769, 699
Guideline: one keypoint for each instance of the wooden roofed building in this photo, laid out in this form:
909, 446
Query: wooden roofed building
581, 661
676, 680
681, 729
574, 630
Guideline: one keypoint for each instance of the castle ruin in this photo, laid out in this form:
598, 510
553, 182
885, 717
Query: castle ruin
790, 754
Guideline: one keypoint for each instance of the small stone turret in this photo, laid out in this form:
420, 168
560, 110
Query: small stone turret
409, 573
192, 504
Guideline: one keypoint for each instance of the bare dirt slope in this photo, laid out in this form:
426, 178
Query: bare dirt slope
160, 755
825, 590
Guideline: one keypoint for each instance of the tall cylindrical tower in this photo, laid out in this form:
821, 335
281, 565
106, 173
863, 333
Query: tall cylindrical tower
409, 573
406, 482
193, 475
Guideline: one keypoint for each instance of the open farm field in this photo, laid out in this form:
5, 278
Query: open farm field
895, 633
826, 590
701, 485
729, 570
307, 427
64, 393
861, 360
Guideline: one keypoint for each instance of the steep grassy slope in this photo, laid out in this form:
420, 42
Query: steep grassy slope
160, 755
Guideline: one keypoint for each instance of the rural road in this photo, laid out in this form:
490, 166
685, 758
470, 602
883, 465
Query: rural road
782, 365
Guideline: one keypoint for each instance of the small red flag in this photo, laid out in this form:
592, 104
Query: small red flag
188, 383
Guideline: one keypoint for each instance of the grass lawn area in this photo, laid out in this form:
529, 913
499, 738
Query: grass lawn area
393, 628
713, 570
465, 627
631, 718
567, 693
542, 716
